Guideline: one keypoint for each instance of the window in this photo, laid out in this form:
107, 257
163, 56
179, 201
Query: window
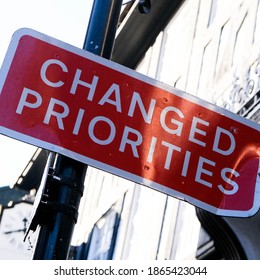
224, 50
206, 73
241, 41
186, 233
257, 24
103, 237
213, 11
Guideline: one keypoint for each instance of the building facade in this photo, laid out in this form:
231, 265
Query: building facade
210, 49
207, 48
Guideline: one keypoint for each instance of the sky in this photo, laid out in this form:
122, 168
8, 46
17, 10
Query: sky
66, 20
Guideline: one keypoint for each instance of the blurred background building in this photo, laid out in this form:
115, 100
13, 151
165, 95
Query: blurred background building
208, 48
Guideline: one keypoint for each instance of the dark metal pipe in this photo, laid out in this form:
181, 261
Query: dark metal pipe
102, 27
58, 209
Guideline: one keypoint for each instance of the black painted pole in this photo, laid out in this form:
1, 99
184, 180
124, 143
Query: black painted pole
102, 27
58, 209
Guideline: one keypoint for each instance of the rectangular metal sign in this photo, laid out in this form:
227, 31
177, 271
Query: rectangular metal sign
67, 100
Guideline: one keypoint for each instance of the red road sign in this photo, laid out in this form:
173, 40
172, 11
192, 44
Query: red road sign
67, 100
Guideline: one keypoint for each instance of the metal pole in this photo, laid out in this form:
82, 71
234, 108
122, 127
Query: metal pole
58, 209
102, 27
